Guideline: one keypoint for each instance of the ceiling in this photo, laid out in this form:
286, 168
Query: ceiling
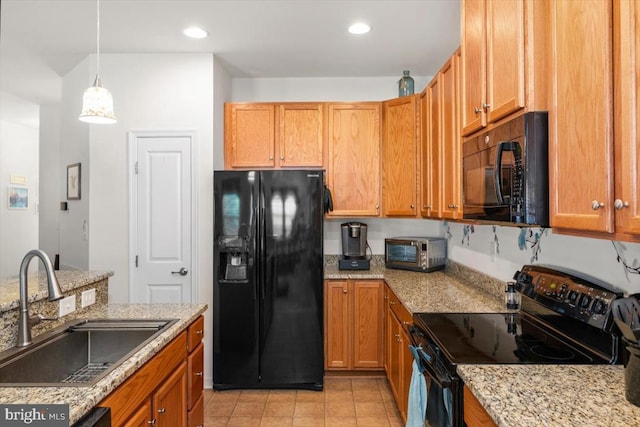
42, 40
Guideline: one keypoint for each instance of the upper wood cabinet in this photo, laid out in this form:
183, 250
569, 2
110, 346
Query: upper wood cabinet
400, 156
441, 161
353, 167
503, 65
627, 116
264, 135
594, 169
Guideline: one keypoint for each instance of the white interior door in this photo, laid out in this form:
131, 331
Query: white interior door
162, 219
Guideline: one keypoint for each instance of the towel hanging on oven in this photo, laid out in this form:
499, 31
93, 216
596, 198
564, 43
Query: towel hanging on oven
417, 407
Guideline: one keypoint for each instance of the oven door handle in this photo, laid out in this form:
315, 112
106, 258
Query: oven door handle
429, 362
503, 146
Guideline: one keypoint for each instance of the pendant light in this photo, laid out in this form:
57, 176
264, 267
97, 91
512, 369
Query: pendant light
97, 102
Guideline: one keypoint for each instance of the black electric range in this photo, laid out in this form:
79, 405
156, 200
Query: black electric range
564, 318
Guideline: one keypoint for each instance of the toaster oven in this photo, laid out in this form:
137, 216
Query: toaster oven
415, 253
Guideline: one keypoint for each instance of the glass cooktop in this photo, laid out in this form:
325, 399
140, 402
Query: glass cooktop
479, 338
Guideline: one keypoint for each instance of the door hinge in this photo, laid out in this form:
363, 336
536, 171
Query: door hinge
136, 260
136, 168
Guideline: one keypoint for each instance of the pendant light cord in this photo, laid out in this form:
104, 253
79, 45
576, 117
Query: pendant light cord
98, 41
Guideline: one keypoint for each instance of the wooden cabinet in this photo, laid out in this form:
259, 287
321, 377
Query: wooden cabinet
400, 156
398, 360
195, 373
593, 169
265, 135
353, 168
165, 391
503, 67
627, 116
441, 159
474, 413
354, 311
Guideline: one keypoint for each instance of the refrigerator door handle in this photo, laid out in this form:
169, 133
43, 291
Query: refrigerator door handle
263, 255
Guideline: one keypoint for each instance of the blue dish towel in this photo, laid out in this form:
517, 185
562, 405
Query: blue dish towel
417, 407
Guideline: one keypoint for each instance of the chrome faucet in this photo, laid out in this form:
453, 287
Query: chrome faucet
25, 321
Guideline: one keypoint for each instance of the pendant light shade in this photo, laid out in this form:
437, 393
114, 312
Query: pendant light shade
97, 102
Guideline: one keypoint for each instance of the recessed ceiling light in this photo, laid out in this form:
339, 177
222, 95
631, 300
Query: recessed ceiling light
195, 33
359, 28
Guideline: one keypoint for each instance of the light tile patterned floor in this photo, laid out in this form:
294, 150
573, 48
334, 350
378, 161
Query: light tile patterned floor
344, 402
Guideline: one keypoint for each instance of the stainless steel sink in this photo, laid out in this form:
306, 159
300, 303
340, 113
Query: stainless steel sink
79, 353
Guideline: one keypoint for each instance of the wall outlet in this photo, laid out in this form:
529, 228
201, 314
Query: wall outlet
88, 298
67, 305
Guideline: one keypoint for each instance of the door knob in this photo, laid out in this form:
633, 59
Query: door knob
183, 272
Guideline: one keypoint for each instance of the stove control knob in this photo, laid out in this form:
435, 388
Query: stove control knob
573, 297
599, 307
585, 301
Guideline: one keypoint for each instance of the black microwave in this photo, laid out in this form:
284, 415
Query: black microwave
505, 172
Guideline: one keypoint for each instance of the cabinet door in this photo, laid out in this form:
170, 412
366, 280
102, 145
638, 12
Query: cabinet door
474, 58
353, 170
195, 417
170, 400
301, 135
451, 182
426, 172
195, 377
249, 137
337, 324
406, 370
399, 155
393, 342
141, 417
627, 116
505, 58
434, 116
368, 326
580, 119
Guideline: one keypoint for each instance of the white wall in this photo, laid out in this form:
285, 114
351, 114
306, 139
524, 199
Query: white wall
18, 227
53, 174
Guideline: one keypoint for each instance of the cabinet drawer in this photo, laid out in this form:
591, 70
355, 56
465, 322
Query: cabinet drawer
399, 310
195, 332
195, 417
195, 374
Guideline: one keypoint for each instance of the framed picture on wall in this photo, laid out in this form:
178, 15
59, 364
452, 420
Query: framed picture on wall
73, 181
18, 197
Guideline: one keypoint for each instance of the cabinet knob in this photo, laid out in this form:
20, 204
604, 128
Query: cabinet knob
619, 204
426, 206
199, 374
486, 106
281, 157
344, 291
412, 206
595, 205
477, 110
162, 410
199, 332
152, 422
270, 157
377, 206
392, 302
404, 322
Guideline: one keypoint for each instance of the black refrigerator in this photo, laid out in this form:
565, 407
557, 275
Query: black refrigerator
268, 279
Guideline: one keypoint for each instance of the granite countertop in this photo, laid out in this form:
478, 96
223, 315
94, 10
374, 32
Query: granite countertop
552, 395
513, 395
83, 399
37, 285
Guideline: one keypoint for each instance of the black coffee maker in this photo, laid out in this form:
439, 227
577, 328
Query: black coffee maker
354, 247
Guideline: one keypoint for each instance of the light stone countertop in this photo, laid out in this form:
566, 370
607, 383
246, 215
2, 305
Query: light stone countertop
513, 395
552, 395
82, 399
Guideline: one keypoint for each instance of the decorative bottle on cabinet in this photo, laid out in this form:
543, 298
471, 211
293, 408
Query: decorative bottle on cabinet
405, 84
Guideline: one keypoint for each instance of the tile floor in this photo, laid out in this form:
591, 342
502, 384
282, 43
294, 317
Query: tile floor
344, 402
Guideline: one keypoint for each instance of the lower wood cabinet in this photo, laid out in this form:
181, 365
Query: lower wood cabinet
474, 413
354, 324
398, 357
165, 391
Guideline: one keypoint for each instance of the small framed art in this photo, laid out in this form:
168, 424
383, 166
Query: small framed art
73, 181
